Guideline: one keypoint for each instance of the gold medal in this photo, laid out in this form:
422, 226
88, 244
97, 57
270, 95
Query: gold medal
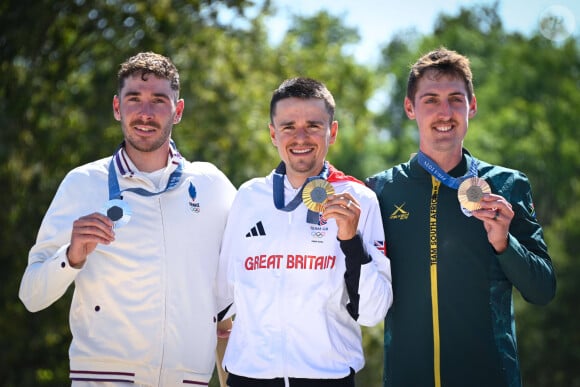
471, 191
315, 193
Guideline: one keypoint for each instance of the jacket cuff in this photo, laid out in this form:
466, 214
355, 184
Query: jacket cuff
355, 251
356, 256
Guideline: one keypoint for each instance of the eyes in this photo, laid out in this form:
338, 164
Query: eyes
155, 100
453, 99
311, 128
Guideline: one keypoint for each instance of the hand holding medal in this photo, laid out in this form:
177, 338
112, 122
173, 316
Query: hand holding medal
345, 210
496, 213
87, 232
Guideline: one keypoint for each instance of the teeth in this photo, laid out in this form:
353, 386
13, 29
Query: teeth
301, 151
443, 128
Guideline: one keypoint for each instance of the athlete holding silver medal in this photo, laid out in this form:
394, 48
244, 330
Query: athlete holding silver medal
139, 234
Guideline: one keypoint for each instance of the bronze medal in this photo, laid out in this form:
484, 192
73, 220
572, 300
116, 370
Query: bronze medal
471, 191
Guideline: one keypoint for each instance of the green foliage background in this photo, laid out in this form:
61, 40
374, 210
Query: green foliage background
58, 60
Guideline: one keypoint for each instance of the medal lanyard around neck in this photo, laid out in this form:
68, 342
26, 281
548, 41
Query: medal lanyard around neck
279, 187
115, 191
436, 171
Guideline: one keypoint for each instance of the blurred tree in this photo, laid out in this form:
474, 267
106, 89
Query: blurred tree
60, 59
549, 337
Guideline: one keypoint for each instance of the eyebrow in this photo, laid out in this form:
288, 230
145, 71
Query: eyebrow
292, 122
138, 93
455, 93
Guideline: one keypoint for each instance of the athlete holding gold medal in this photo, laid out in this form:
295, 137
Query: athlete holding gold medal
304, 257
462, 234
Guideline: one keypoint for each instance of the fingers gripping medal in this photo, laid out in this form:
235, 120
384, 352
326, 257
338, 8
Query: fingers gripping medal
118, 211
315, 194
470, 193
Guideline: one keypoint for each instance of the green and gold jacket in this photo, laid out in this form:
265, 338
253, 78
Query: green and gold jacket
452, 319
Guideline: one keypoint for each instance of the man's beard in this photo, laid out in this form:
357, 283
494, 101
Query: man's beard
145, 146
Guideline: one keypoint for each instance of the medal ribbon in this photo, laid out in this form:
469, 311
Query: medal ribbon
311, 217
435, 170
115, 191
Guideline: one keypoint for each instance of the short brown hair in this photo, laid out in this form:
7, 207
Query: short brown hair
304, 88
444, 62
149, 63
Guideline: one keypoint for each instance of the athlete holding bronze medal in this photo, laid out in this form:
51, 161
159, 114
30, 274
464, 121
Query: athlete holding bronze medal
462, 233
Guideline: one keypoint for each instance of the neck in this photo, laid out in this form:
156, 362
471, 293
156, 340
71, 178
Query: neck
445, 160
296, 181
148, 161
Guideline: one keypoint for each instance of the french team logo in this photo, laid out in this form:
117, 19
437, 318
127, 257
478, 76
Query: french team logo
193, 205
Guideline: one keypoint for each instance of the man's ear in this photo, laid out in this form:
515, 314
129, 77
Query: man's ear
409, 108
273, 135
472, 107
116, 108
180, 105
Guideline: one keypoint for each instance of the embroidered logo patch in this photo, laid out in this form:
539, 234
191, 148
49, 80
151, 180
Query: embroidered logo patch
321, 220
399, 213
381, 246
193, 205
318, 233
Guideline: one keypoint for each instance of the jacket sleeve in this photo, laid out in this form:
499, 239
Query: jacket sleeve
526, 262
225, 272
375, 288
48, 274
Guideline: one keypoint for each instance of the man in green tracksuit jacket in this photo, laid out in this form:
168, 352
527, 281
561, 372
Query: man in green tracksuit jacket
460, 234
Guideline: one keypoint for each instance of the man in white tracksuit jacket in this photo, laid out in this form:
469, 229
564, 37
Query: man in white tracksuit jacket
139, 234
302, 280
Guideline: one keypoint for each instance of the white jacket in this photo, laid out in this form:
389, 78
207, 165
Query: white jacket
144, 307
286, 279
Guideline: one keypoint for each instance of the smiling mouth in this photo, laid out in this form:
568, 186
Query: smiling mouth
145, 129
300, 152
443, 128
